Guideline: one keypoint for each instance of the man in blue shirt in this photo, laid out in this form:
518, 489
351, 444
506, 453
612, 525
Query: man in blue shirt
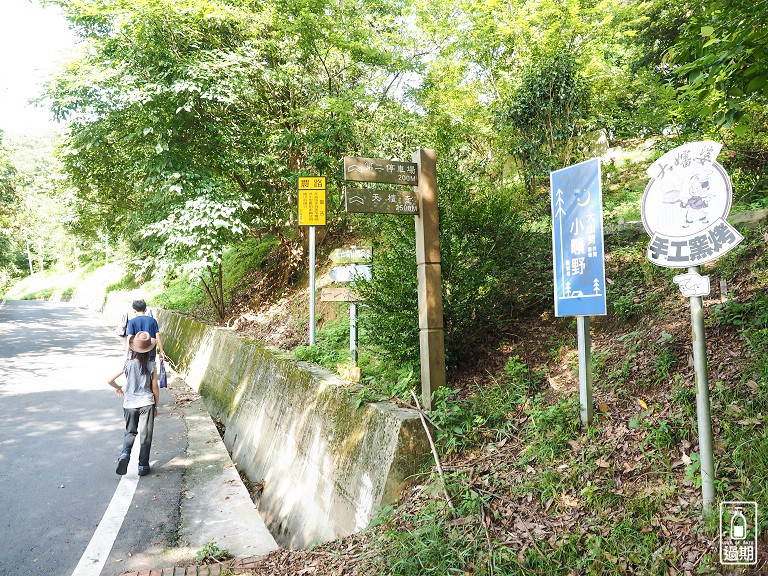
141, 322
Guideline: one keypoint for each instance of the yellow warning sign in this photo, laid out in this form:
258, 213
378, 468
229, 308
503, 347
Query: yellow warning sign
312, 201
312, 183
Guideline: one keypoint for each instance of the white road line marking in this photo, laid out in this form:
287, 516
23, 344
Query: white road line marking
95, 555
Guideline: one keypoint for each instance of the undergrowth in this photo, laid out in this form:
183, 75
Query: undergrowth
529, 491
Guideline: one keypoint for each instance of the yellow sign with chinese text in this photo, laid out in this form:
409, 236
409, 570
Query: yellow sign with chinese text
312, 201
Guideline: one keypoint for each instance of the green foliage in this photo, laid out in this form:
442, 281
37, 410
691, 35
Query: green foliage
632, 282
388, 321
749, 314
721, 58
210, 553
245, 256
44, 294
540, 122
428, 548
182, 295
757, 339
331, 346
193, 240
382, 380
550, 427
127, 282
483, 413
173, 101
745, 158
489, 269
490, 264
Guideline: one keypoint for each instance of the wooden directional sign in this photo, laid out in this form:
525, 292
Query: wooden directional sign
337, 295
312, 201
381, 171
381, 201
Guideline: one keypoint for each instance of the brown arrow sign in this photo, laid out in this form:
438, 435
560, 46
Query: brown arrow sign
381, 201
337, 295
381, 171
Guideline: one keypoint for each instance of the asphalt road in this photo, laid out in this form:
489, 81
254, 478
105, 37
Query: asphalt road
61, 429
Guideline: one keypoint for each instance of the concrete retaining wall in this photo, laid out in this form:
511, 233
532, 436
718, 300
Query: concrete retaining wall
324, 463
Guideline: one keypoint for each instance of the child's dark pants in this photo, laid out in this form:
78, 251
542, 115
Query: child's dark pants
139, 419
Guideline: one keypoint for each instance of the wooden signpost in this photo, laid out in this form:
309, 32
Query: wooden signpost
364, 201
421, 203
381, 171
337, 295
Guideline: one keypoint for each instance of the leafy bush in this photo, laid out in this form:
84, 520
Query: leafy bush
633, 282
745, 158
245, 256
428, 547
331, 346
541, 120
750, 314
491, 267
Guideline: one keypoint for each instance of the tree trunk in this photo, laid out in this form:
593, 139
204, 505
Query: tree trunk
29, 257
215, 292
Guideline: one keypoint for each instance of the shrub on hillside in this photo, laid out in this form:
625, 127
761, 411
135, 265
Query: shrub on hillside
491, 268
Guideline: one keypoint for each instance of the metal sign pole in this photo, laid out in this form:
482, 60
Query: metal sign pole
706, 457
311, 285
685, 208
585, 369
311, 213
353, 331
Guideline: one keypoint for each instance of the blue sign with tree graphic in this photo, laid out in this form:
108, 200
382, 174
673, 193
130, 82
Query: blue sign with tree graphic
577, 240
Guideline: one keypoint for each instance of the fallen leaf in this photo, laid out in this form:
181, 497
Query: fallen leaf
603, 407
602, 463
570, 501
642, 403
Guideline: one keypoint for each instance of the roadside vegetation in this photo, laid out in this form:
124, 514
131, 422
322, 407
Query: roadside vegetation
189, 123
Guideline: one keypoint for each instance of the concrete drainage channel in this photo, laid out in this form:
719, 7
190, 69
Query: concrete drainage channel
254, 489
294, 431
239, 527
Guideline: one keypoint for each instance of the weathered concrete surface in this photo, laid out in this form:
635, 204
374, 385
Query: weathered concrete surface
324, 463
215, 500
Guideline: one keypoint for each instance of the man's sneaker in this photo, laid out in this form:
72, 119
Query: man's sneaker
122, 466
143, 470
